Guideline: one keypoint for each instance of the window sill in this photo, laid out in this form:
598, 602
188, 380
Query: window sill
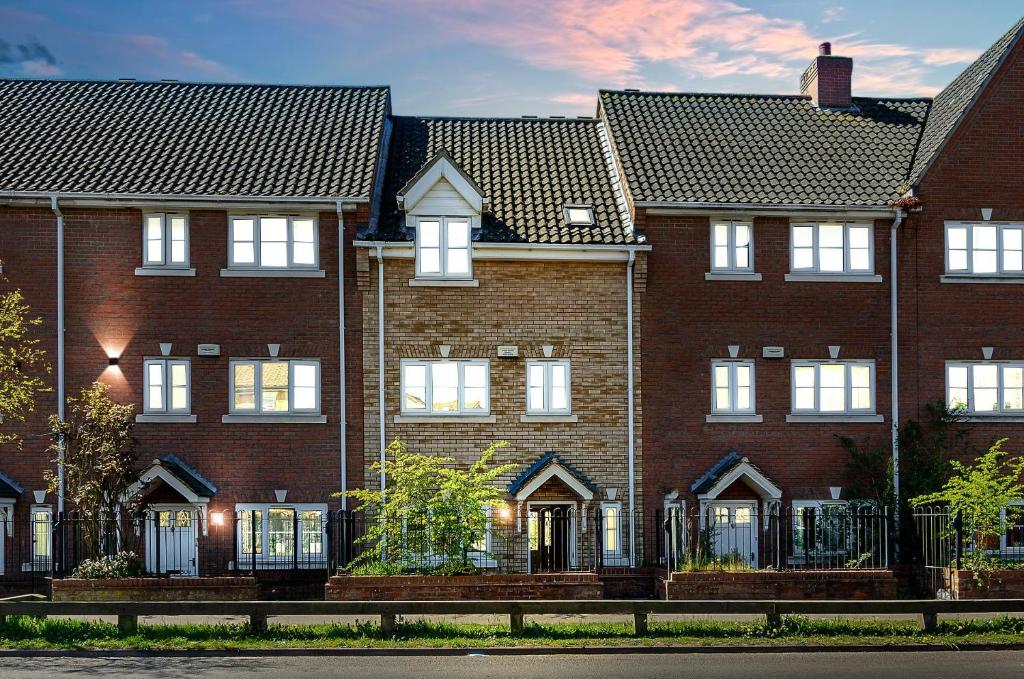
993, 418
549, 419
984, 280
273, 419
445, 419
733, 419
834, 278
732, 276
273, 273
154, 271
838, 417
155, 417
443, 283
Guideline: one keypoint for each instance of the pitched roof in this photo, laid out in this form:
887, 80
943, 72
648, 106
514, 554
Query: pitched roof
9, 488
952, 104
529, 168
190, 139
188, 475
720, 469
540, 464
762, 149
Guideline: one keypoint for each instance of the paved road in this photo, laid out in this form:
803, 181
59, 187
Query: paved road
932, 665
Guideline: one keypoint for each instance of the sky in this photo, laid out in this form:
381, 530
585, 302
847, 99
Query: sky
503, 57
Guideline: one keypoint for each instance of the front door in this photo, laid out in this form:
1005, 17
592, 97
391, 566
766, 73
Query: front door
734, 532
171, 534
552, 534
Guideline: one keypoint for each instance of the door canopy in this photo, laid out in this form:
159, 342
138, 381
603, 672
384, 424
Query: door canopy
549, 466
731, 468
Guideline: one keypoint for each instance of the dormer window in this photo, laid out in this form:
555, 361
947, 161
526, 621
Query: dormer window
579, 215
443, 247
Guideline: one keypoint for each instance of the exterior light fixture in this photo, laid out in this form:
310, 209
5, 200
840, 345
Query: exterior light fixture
113, 360
217, 518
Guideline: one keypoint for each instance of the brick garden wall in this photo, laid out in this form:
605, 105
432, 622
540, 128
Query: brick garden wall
849, 584
155, 589
464, 587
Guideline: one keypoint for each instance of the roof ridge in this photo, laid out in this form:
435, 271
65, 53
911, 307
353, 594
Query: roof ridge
753, 95
193, 83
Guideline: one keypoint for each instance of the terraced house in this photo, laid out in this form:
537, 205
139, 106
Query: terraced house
669, 310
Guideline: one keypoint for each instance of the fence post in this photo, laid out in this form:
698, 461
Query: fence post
157, 557
387, 624
127, 624
515, 622
599, 538
252, 536
296, 544
639, 624
258, 623
958, 525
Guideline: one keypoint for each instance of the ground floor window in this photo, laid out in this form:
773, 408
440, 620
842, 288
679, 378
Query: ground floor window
1012, 540
611, 532
282, 536
820, 527
41, 532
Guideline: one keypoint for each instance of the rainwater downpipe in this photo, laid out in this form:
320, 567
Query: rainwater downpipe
380, 361
342, 423
60, 345
629, 401
895, 368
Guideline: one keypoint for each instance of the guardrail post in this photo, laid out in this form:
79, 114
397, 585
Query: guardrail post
639, 624
772, 618
515, 623
930, 621
258, 623
387, 624
127, 624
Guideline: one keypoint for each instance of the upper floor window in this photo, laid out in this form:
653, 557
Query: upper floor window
443, 247
167, 386
732, 387
547, 387
832, 248
445, 387
985, 388
731, 245
273, 242
165, 240
985, 249
833, 387
275, 386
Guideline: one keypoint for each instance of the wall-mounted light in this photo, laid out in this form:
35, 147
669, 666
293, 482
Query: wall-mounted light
217, 518
113, 360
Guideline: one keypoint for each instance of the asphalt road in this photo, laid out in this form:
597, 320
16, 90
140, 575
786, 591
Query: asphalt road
933, 665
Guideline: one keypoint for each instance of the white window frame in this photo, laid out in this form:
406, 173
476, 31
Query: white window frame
1001, 228
732, 364
615, 556
486, 558
257, 410
731, 247
443, 248
1003, 548
847, 388
263, 558
257, 219
1000, 386
547, 386
428, 410
815, 268
39, 563
817, 505
165, 241
166, 364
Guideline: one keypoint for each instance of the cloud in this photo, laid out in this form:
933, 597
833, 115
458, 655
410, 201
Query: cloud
580, 100
29, 58
833, 14
949, 55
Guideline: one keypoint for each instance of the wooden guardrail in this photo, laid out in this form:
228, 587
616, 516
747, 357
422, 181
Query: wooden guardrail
128, 612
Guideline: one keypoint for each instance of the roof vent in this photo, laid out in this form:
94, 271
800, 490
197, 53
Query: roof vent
530, 117
126, 80
631, 89
828, 80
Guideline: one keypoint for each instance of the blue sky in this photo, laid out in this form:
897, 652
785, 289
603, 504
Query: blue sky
503, 57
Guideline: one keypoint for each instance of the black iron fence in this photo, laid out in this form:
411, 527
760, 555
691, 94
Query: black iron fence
944, 540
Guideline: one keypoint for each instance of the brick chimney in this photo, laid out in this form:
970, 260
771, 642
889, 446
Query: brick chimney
827, 79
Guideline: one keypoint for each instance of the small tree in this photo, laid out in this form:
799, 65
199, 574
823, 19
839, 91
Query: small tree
23, 363
982, 494
95, 445
430, 509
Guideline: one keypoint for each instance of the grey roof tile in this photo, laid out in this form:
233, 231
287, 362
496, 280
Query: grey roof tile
190, 138
529, 168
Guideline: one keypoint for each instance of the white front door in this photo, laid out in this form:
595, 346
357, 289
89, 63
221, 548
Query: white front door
734, 531
171, 534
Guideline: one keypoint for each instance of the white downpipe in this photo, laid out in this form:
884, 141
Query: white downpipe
629, 401
895, 366
342, 408
60, 344
380, 362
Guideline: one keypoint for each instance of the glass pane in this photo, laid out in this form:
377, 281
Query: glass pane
984, 237
274, 387
859, 237
860, 383
303, 247
155, 393
155, 251
273, 254
803, 258
304, 254
830, 259
251, 527
958, 260
274, 229
281, 531
803, 236
742, 235
244, 386
957, 387
742, 516
536, 397
415, 396
475, 387
476, 398
721, 235
611, 529
986, 389
458, 233
312, 532
444, 377
957, 238
721, 257
984, 261
475, 375
743, 387
178, 255
305, 386
1013, 388
860, 260
580, 215
430, 260
243, 253
559, 387
458, 262
722, 398
536, 387
302, 230
430, 234
179, 386
41, 535
243, 229
833, 388
830, 236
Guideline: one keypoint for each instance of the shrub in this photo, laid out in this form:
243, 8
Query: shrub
120, 565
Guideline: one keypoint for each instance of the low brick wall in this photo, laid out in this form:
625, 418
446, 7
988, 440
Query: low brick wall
636, 583
1001, 584
464, 587
852, 584
155, 589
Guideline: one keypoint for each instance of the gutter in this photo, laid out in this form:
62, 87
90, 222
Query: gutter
326, 202
342, 407
629, 402
60, 345
895, 365
380, 363
767, 208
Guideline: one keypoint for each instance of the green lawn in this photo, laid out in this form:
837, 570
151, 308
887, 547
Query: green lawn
27, 633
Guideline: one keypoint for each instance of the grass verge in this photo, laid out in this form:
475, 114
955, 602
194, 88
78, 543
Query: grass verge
28, 633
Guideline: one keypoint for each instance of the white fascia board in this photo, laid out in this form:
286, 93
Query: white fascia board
521, 251
143, 200
766, 489
442, 169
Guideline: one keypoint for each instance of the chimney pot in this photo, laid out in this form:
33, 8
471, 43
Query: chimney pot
825, 49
